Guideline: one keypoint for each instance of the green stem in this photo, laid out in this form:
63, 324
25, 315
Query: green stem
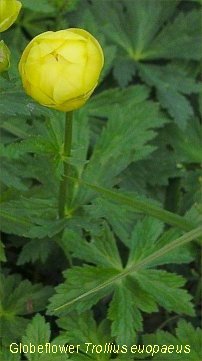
145, 207
66, 154
140, 205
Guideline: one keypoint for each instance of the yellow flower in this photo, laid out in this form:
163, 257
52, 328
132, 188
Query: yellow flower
9, 10
61, 69
4, 56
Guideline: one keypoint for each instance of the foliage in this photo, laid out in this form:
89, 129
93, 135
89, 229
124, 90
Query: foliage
123, 266
185, 333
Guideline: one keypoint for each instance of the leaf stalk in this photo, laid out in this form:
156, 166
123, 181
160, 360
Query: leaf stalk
63, 189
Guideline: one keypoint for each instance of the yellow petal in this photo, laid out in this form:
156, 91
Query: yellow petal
93, 66
44, 74
70, 84
74, 51
61, 69
71, 105
61, 34
39, 96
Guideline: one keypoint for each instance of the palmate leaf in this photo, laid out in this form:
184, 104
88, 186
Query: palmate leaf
124, 139
138, 32
19, 298
172, 83
135, 27
145, 288
187, 343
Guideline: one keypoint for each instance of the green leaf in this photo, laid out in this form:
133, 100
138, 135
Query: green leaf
101, 250
85, 286
80, 141
147, 238
125, 316
121, 219
110, 56
165, 289
11, 93
124, 140
102, 104
179, 39
124, 71
187, 143
192, 185
5, 354
35, 249
81, 280
142, 205
146, 19
19, 298
11, 176
156, 170
143, 237
171, 83
31, 217
38, 333
43, 6
187, 343
132, 25
81, 329
19, 101
9, 215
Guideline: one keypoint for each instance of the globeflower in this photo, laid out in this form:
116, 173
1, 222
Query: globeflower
9, 10
4, 57
61, 69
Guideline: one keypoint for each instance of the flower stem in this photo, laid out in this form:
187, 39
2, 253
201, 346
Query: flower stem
66, 154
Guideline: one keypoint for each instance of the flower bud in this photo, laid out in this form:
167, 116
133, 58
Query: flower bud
61, 69
9, 10
4, 56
